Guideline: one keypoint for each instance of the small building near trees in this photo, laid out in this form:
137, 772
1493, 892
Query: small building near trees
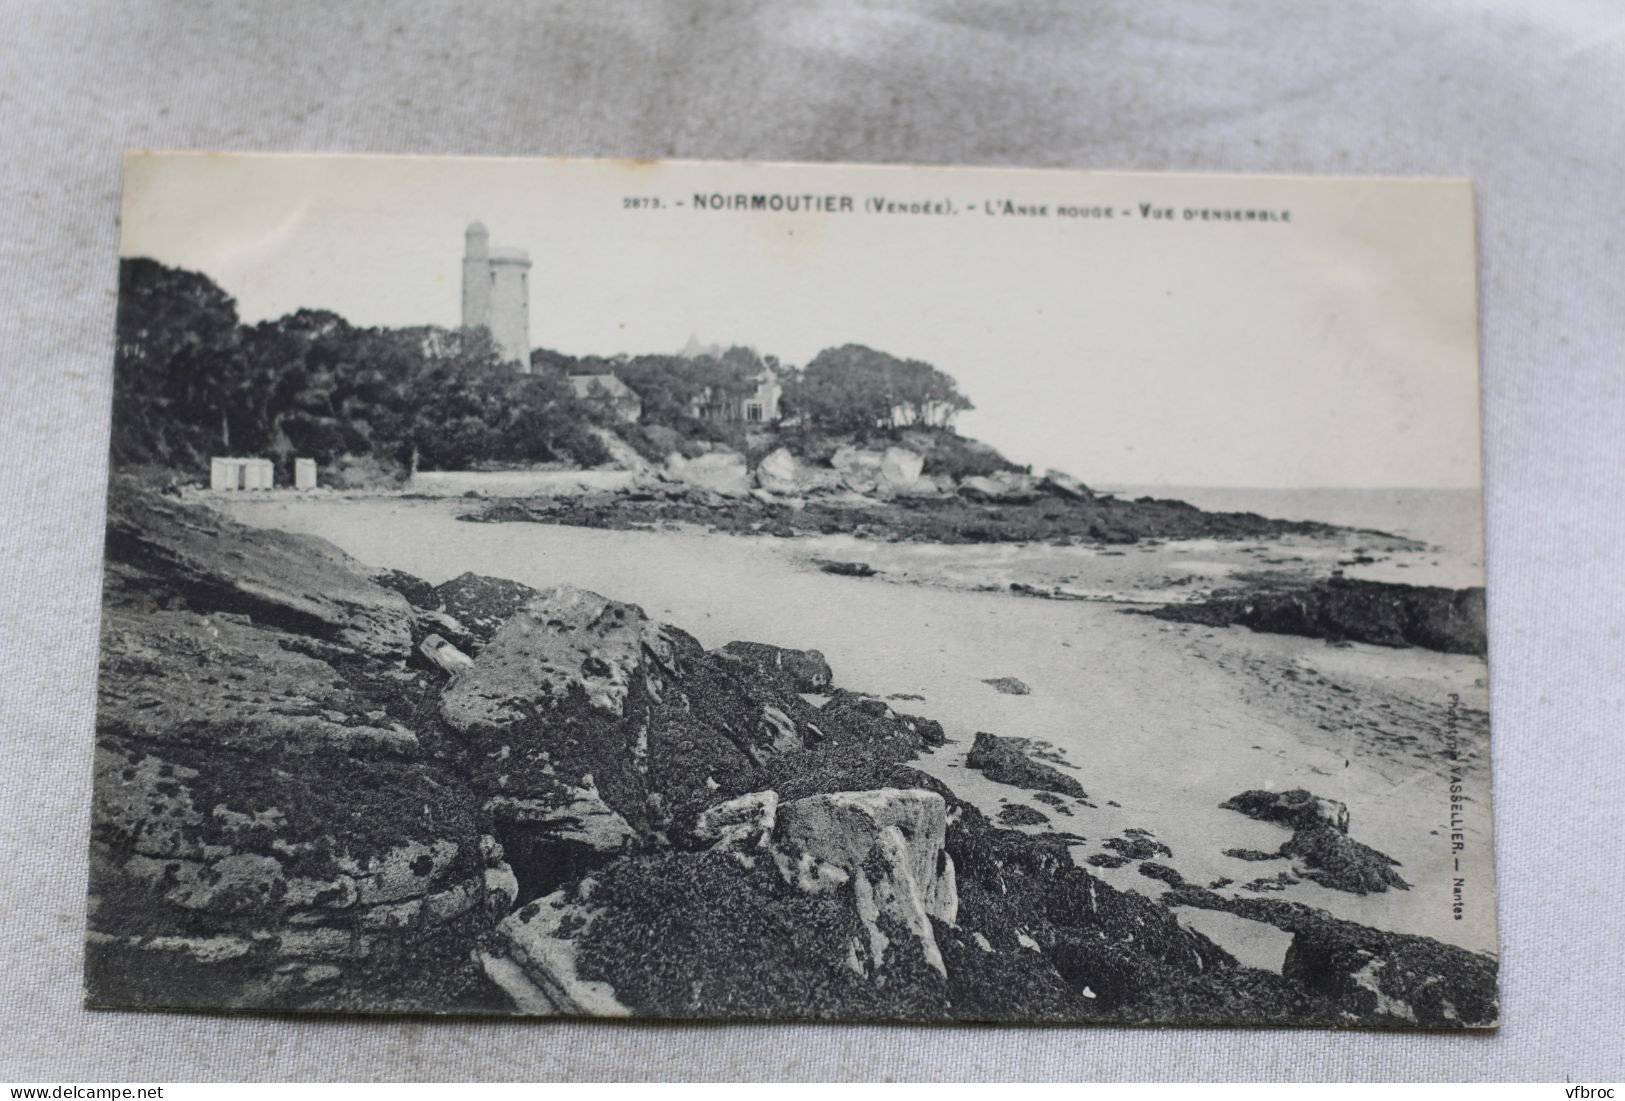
620, 397
759, 406
230, 474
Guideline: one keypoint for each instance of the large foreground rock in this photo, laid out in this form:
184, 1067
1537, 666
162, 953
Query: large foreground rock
889, 845
276, 578
272, 827
480, 605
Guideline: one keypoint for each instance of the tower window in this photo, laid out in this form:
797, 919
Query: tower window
753, 411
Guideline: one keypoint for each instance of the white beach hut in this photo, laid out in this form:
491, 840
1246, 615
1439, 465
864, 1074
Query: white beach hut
232, 474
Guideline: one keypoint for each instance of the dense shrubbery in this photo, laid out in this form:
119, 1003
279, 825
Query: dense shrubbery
191, 381
854, 389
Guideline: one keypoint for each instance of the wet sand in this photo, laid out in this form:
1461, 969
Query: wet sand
1163, 720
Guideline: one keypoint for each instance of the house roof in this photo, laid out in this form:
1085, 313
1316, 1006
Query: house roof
587, 386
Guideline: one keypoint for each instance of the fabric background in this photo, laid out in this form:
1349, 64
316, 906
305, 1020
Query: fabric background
1526, 98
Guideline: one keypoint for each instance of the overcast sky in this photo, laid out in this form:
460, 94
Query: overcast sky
1337, 348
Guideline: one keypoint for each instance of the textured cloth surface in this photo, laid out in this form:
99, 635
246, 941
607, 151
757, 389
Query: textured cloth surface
1529, 100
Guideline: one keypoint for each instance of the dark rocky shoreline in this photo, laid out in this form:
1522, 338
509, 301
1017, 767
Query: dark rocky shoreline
1049, 512
1341, 609
298, 808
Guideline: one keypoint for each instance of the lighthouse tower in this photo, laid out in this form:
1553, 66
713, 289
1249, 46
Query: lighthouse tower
496, 294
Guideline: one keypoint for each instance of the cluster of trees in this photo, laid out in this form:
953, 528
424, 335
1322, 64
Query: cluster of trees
854, 390
670, 386
192, 381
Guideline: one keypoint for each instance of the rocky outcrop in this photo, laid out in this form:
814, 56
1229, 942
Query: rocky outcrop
900, 471
1370, 974
1320, 841
807, 669
1152, 870
532, 957
1345, 609
824, 501
720, 472
1019, 814
1004, 487
214, 564
1334, 860
859, 469
562, 645
845, 569
1357, 975
889, 845
743, 823
1060, 484
273, 823
1003, 760
779, 472
1294, 809
595, 814
1137, 844
479, 606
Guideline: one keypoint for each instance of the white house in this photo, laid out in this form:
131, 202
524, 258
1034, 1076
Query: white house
760, 406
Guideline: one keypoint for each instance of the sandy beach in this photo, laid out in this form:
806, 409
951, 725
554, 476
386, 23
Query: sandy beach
1159, 722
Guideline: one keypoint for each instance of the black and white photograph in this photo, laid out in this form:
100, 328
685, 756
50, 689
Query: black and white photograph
687, 590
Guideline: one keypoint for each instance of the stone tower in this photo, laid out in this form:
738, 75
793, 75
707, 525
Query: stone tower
496, 294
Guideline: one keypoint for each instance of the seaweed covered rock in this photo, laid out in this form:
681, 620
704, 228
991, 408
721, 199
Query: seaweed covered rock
848, 717
701, 934
531, 956
1111, 949
480, 604
1137, 844
1152, 870
211, 563
1341, 608
1353, 974
1370, 974
1336, 860
274, 824
418, 592
743, 823
581, 698
807, 669
1003, 760
1019, 814
1319, 841
1294, 809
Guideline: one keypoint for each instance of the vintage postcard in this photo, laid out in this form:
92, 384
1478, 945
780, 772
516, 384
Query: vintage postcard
687, 590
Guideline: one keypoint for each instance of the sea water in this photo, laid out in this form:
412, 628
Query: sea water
1449, 521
